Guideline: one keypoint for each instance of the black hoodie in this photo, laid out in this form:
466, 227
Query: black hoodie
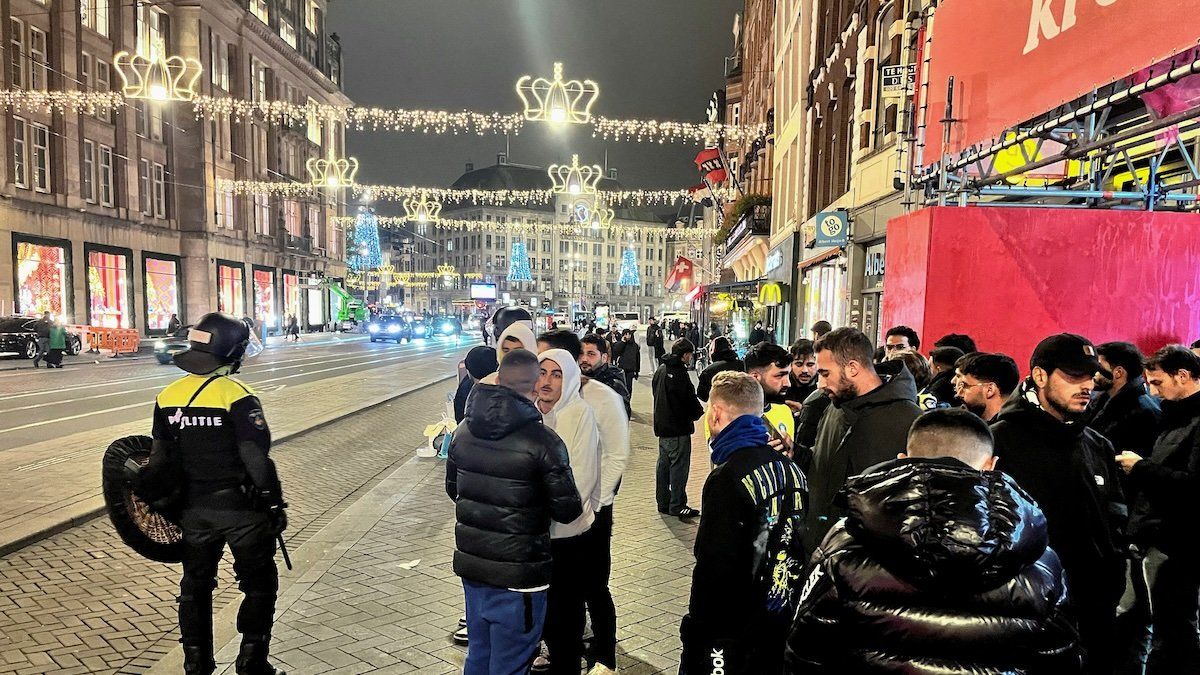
509, 476
1168, 481
938, 568
721, 361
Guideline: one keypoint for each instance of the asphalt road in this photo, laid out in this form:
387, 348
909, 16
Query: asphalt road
40, 404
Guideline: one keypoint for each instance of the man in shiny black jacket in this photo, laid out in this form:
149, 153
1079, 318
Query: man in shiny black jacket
1070, 470
941, 566
1163, 523
509, 476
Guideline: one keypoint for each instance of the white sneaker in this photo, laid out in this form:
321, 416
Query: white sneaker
460, 637
601, 669
542, 662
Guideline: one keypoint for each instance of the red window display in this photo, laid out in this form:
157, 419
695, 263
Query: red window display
264, 297
291, 295
231, 290
108, 290
42, 279
162, 292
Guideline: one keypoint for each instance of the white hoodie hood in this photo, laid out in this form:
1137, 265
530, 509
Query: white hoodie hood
521, 331
575, 423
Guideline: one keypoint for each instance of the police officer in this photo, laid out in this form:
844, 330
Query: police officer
211, 435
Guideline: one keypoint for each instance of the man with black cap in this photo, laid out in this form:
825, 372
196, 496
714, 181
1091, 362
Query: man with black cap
211, 444
1070, 471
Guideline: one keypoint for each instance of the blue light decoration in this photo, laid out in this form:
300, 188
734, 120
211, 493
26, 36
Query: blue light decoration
629, 270
364, 253
519, 270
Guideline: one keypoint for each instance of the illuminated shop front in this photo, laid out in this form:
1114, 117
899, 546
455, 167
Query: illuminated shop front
162, 291
110, 301
291, 296
43, 276
231, 289
264, 297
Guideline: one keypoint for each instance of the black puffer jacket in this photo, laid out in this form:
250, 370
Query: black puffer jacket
1130, 420
1167, 483
613, 378
938, 568
676, 407
721, 361
510, 476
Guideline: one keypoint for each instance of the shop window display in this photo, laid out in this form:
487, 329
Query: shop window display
264, 298
42, 280
108, 290
162, 292
291, 296
231, 290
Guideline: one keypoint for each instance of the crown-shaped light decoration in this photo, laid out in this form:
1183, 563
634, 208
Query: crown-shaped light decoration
575, 180
602, 217
422, 209
332, 172
557, 101
446, 270
160, 78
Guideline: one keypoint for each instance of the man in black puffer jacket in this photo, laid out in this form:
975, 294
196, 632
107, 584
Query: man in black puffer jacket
941, 566
509, 476
721, 359
675, 413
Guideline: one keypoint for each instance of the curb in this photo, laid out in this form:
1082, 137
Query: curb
100, 508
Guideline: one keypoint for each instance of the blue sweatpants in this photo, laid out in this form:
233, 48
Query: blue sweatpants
503, 629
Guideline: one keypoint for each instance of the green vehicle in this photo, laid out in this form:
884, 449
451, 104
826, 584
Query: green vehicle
350, 310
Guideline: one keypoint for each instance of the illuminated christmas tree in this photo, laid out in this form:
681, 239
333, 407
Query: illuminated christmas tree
364, 253
519, 270
629, 270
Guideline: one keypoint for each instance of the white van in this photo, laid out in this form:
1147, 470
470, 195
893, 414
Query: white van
626, 321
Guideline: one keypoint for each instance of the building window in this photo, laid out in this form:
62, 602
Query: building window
291, 218
85, 71
106, 175
262, 215
139, 118
103, 84
310, 16
94, 15
108, 290
287, 31
291, 295
151, 29
264, 297
144, 190
225, 209
218, 63
39, 63
87, 173
42, 279
17, 53
162, 292
259, 8
160, 190
231, 293
258, 79
40, 157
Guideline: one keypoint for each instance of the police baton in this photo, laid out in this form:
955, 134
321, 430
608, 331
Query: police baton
287, 560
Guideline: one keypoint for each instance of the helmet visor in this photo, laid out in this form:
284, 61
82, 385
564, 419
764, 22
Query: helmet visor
254, 346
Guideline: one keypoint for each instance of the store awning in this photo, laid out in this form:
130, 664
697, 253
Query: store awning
819, 258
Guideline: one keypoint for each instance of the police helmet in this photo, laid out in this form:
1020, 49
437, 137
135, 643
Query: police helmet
216, 340
507, 316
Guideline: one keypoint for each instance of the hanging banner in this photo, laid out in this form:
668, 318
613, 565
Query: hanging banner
712, 168
1013, 61
681, 275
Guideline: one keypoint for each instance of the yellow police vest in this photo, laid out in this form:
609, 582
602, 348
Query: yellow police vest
779, 416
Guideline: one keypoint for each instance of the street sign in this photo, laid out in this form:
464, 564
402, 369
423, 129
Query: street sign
898, 79
833, 228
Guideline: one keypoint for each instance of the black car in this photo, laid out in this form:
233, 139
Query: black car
166, 347
447, 325
389, 327
18, 335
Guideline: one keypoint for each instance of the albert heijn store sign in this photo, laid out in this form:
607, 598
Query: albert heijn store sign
1013, 60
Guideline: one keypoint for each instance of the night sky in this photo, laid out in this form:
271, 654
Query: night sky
653, 59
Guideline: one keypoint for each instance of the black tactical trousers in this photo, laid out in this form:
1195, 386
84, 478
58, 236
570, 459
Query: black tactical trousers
206, 531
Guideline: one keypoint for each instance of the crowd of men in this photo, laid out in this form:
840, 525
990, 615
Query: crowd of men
868, 509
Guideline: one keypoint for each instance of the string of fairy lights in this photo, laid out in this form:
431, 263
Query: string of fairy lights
524, 227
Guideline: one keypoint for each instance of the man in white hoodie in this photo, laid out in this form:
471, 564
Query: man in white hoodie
565, 411
613, 424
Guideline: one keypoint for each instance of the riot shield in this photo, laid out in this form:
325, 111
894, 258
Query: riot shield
149, 534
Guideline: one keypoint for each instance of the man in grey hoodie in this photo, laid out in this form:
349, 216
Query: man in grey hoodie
872, 408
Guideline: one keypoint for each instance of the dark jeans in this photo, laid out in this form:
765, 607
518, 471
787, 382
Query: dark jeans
1094, 595
658, 354
674, 462
565, 602
630, 378
43, 346
250, 539
1175, 596
597, 596
504, 627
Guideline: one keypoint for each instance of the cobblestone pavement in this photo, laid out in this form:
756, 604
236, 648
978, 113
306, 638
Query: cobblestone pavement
81, 602
383, 599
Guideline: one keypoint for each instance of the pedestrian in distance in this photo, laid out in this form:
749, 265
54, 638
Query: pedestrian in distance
757, 334
41, 330
819, 329
211, 448
595, 364
722, 357
630, 360
749, 557
983, 382
510, 478
174, 325
654, 340
941, 566
693, 336
676, 410
57, 344
1070, 471
940, 393
901, 337
871, 409
1163, 520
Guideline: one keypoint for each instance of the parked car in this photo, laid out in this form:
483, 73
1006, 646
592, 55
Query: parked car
627, 321
166, 347
390, 327
18, 336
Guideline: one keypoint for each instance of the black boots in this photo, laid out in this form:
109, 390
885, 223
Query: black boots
198, 660
252, 659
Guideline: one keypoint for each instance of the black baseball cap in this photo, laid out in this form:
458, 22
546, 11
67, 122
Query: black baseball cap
1070, 353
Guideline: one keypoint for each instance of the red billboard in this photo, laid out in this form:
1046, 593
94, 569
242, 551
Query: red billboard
1013, 60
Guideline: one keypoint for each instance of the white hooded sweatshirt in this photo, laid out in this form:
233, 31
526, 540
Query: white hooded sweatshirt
575, 423
521, 331
609, 408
